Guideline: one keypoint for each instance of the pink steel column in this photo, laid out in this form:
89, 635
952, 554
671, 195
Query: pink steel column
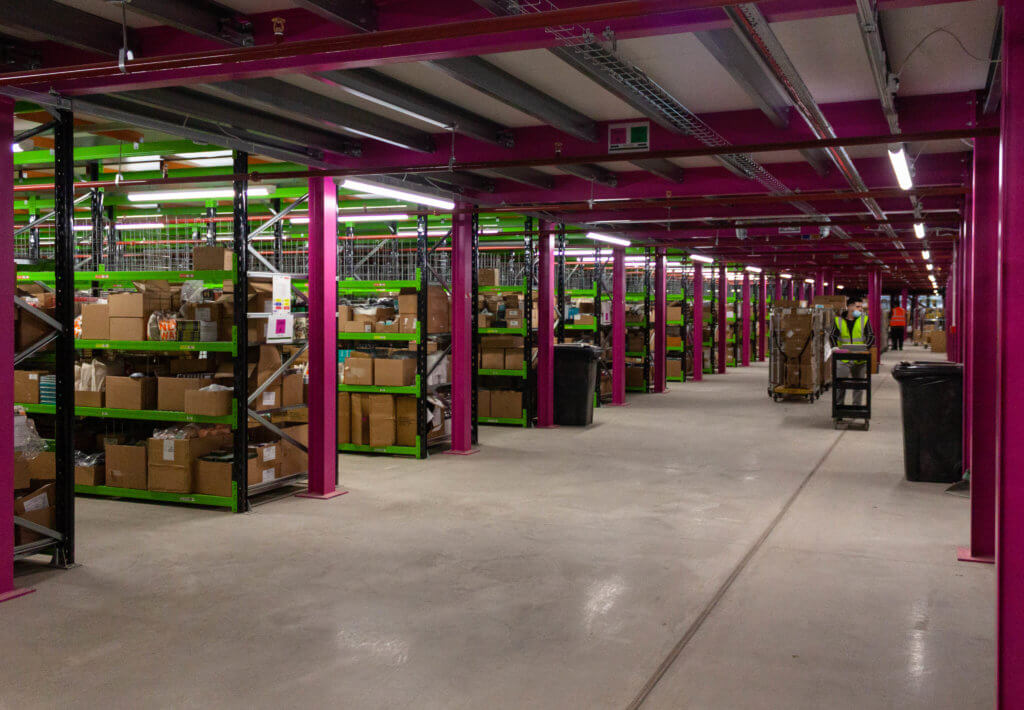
982, 370
545, 326
462, 329
819, 283
323, 339
618, 326
952, 303
1010, 495
660, 314
723, 327
745, 322
762, 318
904, 297
7, 590
968, 336
831, 290
698, 322
792, 289
875, 307
777, 296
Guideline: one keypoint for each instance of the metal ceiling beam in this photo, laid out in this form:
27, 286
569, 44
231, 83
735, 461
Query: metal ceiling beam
358, 14
993, 94
116, 109
593, 173
499, 84
467, 181
886, 83
15, 54
273, 94
527, 176
64, 24
198, 17
381, 89
662, 168
191, 103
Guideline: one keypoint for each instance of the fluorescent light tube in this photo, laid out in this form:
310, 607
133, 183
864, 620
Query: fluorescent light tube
213, 193
139, 225
840, 287
373, 218
210, 162
930, 267
405, 195
754, 269
919, 230
702, 259
808, 281
204, 154
926, 255
598, 237
785, 276
901, 167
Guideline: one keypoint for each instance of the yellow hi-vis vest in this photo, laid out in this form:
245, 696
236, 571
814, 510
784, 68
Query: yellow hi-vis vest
848, 338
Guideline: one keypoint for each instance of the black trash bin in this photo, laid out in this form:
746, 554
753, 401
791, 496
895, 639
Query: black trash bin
575, 380
932, 397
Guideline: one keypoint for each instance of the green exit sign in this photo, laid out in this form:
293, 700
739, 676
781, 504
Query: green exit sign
629, 137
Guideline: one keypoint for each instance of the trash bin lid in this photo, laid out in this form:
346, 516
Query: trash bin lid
913, 370
578, 349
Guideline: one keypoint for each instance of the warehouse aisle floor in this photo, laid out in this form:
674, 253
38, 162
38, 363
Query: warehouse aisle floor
554, 569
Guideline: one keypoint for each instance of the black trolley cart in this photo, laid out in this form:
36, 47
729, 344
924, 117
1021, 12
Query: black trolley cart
841, 385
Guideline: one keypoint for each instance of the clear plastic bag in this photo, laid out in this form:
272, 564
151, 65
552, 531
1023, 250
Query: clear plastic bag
26, 439
192, 292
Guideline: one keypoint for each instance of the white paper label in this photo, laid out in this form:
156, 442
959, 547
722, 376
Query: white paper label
33, 376
282, 293
269, 452
268, 474
269, 398
168, 449
41, 502
202, 314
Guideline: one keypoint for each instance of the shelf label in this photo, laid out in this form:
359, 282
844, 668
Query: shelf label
626, 137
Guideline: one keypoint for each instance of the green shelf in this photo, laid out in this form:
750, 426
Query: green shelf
502, 373
573, 326
674, 322
160, 496
521, 421
675, 348
636, 389
581, 292
383, 389
391, 450
136, 414
352, 286
635, 324
129, 276
501, 331
167, 346
675, 379
633, 353
501, 289
411, 337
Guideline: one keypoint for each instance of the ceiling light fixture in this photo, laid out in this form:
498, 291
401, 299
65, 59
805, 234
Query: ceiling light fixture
919, 230
926, 255
901, 167
754, 269
598, 237
930, 266
415, 197
702, 259
785, 276
213, 193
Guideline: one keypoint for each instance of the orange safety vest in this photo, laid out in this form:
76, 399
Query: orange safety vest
898, 317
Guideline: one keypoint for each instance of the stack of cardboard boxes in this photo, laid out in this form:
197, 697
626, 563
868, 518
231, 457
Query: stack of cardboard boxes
797, 352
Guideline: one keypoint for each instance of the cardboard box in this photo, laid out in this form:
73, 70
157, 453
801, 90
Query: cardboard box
191, 366
172, 462
344, 314
215, 403
203, 312
506, 404
22, 474
213, 476
90, 475
344, 417
86, 398
126, 466
212, 259
43, 466
131, 392
407, 323
270, 398
408, 299
28, 329
492, 359
485, 320
501, 341
488, 277
513, 322
438, 308
937, 341
171, 391
136, 304
405, 420
293, 390
26, 386
583, 319
483, 402
513, 359
293, 459
513, 313
393, 372
358, 370
382, 420
38, 507
358, 327
95, 321
673, 314
673, 341
360, 419
673, 367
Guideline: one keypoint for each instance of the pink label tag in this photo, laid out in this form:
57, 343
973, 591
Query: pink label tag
279, 327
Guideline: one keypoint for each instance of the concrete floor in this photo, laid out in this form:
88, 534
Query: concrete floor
756, 556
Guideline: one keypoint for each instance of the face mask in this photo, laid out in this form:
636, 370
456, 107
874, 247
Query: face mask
856, 314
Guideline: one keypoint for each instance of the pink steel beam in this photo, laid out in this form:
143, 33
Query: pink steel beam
777, 294
875, 306
744, 333
323, 338
1010, 496
462, 332
982, 370
545, 326
762, 317
660, 314
618, 326
723, 326
7, 589
968, 336
698, 322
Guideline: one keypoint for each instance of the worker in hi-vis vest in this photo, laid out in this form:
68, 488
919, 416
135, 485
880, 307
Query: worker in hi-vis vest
852, 330
897, 326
